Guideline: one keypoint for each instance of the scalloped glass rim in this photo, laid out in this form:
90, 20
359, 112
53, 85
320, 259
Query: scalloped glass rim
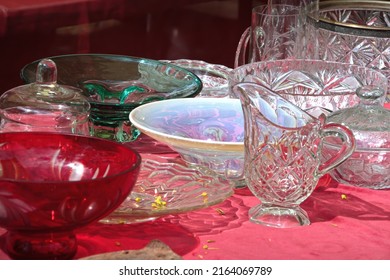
200, 189
137, 114
217, 70
266, 74
305, 64
191, 89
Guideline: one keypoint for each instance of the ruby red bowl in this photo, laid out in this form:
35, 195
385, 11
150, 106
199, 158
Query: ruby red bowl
52, 184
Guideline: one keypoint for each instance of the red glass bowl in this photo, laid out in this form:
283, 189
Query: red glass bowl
51, 184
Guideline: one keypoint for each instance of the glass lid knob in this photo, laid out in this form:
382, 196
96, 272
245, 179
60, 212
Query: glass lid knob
46, 72
371, 95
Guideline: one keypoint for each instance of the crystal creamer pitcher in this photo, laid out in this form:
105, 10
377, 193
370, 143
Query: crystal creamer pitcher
283, 161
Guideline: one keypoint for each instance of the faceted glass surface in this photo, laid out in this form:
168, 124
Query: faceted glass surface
275, 33
214, 77
354, 32
310, 83
283, 154
166, 186
369, 166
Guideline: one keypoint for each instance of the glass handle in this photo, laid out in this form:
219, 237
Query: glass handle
241, 48
347, 147
257, 46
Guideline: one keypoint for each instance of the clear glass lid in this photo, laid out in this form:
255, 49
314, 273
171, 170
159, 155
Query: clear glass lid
44, 103
368, 120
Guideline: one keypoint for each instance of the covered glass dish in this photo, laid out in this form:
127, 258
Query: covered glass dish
44, 105
369, 165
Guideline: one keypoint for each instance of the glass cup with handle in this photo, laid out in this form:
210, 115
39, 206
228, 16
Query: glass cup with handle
278, 31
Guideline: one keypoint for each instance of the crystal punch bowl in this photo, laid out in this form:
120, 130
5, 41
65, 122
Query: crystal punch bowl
310, 83
52, 184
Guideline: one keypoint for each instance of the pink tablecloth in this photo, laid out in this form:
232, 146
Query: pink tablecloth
347, 223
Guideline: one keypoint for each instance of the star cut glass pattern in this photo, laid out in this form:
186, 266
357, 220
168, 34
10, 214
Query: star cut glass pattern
354, 34
378, 19
310, 83
365, 51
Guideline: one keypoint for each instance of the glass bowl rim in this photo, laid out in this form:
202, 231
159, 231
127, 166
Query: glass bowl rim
233, 78
190, 143
136, 164
196, 81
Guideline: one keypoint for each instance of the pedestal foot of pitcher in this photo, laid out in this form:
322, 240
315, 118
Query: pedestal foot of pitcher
279, 217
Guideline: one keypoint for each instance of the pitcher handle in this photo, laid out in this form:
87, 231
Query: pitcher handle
347, 147
242, 48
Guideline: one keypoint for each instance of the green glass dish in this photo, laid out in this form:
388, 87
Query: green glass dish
116, 84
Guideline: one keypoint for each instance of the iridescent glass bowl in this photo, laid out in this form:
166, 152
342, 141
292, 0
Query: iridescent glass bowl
206, 132
310, 83
52, 184
116, 84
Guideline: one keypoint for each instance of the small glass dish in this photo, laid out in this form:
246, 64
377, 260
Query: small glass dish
206, 132
369, 165
215, 77
115, 84
44, 105
165, 186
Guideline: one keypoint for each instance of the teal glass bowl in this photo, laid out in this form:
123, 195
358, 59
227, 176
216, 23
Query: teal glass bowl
116, 84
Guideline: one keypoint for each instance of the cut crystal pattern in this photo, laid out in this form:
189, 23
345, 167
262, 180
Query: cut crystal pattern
310, 83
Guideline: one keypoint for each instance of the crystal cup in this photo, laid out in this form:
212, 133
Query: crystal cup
278, 31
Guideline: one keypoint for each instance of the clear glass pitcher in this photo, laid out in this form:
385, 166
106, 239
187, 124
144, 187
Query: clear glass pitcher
283, 160
278, 31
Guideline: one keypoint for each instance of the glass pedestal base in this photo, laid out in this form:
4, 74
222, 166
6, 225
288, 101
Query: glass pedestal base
279, 217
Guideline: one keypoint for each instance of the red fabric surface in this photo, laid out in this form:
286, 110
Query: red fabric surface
355, 227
